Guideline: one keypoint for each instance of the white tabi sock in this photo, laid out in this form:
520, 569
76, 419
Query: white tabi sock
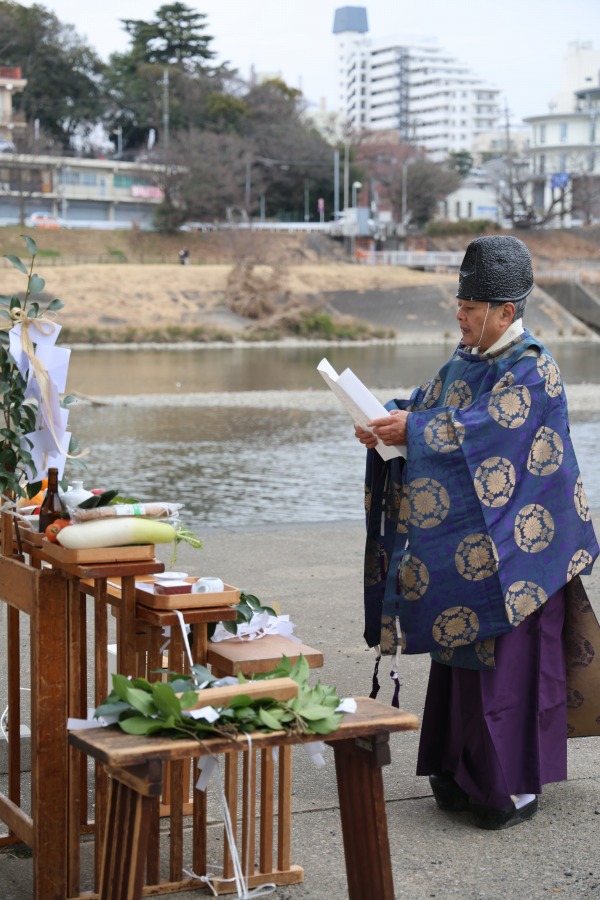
521, 800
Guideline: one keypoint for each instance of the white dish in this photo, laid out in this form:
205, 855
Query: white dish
171, 576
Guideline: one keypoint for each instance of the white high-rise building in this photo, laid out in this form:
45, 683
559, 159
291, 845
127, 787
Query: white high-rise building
416, 89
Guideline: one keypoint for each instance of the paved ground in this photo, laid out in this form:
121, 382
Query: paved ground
314, 572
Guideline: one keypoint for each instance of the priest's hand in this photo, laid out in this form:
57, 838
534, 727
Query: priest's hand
391, 430
365, 437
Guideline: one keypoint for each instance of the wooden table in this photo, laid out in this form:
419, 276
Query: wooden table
135, 766
63, 682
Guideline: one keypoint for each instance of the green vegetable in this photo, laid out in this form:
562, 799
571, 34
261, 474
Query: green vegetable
95, 500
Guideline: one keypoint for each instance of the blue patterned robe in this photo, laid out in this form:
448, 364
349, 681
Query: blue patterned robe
487, 517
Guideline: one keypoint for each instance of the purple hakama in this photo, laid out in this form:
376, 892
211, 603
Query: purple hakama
503, 731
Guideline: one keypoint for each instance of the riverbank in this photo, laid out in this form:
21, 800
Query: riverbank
249, 302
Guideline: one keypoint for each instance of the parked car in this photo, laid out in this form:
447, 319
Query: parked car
44, 220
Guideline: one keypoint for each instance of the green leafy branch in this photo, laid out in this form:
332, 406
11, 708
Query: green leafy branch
146, 708
18, 414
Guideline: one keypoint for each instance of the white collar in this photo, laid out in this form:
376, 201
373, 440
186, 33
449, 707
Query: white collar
513, 331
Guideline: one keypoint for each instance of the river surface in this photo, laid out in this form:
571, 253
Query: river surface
250, 436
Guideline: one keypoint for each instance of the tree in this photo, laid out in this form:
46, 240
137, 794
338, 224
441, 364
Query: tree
173, 38
63, 73
404, 178
461, 161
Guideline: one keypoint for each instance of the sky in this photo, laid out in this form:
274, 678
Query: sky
516, 45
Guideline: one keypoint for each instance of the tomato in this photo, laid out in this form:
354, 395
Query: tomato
53, 529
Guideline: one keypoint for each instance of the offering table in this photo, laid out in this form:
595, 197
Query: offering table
135, 766
64, 681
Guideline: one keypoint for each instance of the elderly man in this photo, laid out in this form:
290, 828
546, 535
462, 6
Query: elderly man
474, 544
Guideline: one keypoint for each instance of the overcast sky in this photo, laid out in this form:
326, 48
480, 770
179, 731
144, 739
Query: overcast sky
516, 45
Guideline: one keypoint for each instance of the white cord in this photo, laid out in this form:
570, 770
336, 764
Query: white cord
484, 321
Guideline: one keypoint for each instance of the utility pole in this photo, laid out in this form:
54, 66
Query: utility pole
165, 100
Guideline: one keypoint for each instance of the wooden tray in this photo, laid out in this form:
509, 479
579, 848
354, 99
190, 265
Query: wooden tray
130, 553
145, 595
277, 688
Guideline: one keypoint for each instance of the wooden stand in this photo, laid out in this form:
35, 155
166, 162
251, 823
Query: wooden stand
135, 765
275, 806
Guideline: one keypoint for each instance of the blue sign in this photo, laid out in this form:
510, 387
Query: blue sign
560, 180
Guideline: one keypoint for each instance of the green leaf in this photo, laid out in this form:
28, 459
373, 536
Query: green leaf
16, 262
55, 305
189, 699
34, 310
120, 686
327, 725
313, 712
139, 725
202, 674
230, 626
269, 719
141, 701
36, 284
165, 700
110, 709
300, 670
31, 244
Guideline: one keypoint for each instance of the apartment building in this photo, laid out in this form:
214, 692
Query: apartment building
419, 90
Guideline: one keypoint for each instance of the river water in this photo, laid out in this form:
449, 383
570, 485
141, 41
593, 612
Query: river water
250, 436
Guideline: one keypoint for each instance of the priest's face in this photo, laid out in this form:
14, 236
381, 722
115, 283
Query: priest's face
482, 323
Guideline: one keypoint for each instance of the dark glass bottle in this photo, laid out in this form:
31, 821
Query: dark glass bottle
51, 507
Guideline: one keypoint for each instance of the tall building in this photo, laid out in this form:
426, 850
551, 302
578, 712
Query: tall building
417, 89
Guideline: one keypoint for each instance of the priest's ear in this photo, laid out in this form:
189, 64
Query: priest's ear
507, 313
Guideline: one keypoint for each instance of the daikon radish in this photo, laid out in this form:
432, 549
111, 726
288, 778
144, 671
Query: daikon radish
117, 532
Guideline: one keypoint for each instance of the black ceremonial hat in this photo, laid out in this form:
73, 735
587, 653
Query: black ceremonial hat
495, 268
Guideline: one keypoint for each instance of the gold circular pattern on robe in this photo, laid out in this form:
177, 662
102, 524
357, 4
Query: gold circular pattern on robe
548, 370
523, 598
446, 654
581, 505
393, 508
546, 452
458, 394
455, 627
413, 577
503, 382
443, 434
484, 651
495, 481
403, 512
534, 528
368, 498
432, 394
387, 640
510, 406
579, 561
429, 502
476, 557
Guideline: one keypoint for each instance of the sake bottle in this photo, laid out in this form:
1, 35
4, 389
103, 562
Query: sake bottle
51, 507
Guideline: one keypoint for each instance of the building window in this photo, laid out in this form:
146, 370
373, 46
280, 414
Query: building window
542, 164
562, 162
542, 134
469, 210
563, 132
592, 130
457, 209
